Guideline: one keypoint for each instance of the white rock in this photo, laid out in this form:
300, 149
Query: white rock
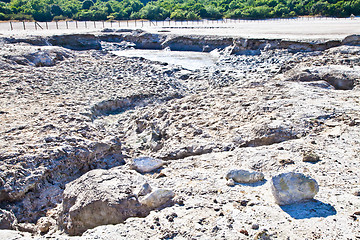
146, 164
244, 176
292, 187
157, 198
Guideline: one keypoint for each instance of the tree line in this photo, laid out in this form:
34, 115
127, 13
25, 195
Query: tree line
102, 10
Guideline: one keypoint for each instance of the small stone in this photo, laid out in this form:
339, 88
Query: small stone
292, 187
286, 161
243, 231
144, 190
255, 226
357, 193
160, 175
357, 213
171, 217
243, 176
230, 183
353, 217
43, 224
158, 198
263, 235
244, 203
146, 164
310, 157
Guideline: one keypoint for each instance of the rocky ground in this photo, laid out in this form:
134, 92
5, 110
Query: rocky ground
72, 123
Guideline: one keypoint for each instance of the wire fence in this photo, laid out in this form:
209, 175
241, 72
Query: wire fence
37, 26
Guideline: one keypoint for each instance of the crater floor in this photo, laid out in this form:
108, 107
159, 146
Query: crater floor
64, 113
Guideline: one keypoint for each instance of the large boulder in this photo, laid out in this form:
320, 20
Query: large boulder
102, 197
289, 188
353, 40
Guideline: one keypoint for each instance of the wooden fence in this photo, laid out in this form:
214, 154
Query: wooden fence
12, 25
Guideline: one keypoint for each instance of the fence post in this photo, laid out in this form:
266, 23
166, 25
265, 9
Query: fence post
35, 26
127, 23
119, 23
67, 25
85, 25
24, 25
76, 24
135, 22
46, 24
111, 23
11, 26
142, 23
94, 24
57, 25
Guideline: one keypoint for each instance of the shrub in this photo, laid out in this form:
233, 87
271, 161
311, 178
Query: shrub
178, 15
192, 16
4, 17
59, 18
20, 17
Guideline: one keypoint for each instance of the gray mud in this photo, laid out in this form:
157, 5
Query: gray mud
68, 105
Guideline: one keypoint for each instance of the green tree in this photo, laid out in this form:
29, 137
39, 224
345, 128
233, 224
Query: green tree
212, 12
178, 15
153, 12
87, 4
319, 8
56, 10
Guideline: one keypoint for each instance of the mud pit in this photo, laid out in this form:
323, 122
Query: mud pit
262, 106
187, 60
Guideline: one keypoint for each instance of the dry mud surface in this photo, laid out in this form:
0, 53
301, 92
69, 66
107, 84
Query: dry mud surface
74, 116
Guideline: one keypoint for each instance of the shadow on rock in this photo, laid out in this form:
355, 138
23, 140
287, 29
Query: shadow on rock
310, 209
255, 184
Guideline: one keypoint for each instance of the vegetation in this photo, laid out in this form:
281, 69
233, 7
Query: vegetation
47, 10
